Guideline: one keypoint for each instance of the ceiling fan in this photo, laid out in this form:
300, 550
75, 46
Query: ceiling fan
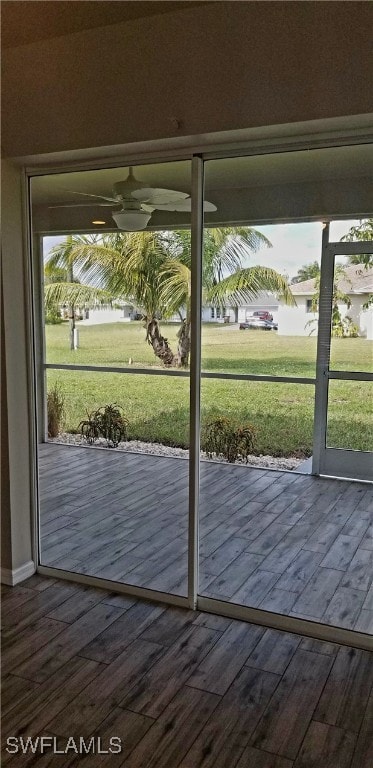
138, 201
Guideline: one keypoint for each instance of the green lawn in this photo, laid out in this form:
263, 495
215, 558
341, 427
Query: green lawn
158, 406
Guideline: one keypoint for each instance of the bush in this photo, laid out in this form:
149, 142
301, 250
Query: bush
107, 422
222, 437
55, 410
53, 317
344, 328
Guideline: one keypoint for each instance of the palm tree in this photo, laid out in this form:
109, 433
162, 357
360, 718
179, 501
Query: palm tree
126, 266
362, 231
61, 287
153, 270
307, 272
340, 326
223, 277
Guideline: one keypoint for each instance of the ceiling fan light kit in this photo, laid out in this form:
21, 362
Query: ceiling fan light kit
131, 220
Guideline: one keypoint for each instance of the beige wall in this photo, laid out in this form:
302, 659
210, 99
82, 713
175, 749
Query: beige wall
16, 513
6, 560
218, 67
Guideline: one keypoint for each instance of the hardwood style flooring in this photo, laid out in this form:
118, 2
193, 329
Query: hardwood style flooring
285, 542
181, 689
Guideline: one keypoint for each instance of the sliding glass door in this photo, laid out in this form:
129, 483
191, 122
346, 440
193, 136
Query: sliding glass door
201, 365
113, 373
286, 336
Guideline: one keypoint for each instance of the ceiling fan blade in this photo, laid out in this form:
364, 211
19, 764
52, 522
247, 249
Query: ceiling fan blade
209, 207
156, 195
84, 205
186, 205
87, 194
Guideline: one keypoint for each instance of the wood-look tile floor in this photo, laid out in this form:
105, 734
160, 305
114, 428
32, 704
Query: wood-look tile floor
181, 689
284, 542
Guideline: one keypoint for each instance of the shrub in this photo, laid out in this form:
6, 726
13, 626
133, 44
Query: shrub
344, 328
107, 422
55, 410
53, 317
222, 437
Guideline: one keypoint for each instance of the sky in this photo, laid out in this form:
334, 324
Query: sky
293, 245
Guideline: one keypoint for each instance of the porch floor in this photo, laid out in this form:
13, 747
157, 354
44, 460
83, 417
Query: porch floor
290, 543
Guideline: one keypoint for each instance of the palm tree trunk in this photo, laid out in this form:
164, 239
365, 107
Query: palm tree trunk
160, 345
183, 349
71, 326
70, 277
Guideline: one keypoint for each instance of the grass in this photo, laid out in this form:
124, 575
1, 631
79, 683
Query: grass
158, 406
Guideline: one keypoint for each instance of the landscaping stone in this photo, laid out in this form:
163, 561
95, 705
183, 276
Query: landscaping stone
157, 449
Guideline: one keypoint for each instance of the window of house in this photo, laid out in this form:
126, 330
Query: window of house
212, 313
309, 307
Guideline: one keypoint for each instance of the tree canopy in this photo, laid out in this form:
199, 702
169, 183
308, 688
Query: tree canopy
153, 271
362, 231
306, 272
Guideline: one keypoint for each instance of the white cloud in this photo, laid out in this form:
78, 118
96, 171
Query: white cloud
294, 245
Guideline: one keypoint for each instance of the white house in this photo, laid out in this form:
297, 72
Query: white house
357, 284
108, 314
264, 301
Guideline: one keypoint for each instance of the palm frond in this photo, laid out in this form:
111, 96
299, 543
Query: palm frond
225, 248
246, 284
74, 294
175, 286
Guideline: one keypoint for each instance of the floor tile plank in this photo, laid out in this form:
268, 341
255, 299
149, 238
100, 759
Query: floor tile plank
326, 745
107, 645
93, 704
34, 637
69, 642
316, 596
171, 736
346, 693
151, 694
219, 668
255, 758
274, 651
42, 704
344, 608
363, 757
341, 552
286, 719
229, 728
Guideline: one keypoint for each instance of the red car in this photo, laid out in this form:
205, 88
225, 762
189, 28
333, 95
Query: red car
263, 315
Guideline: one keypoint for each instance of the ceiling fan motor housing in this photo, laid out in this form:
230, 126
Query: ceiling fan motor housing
124, 189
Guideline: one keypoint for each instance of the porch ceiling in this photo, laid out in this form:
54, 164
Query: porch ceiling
299, 185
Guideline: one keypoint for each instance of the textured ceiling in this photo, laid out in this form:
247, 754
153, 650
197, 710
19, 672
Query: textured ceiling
26, 21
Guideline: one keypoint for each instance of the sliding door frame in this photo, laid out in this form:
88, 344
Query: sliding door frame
193, 599
334, 462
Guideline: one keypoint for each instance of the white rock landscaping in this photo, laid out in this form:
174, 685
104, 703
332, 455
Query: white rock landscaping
157, 449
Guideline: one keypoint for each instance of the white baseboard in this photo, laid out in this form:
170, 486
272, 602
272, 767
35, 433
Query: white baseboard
11, 578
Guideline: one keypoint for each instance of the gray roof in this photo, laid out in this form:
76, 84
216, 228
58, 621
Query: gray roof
357, 280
